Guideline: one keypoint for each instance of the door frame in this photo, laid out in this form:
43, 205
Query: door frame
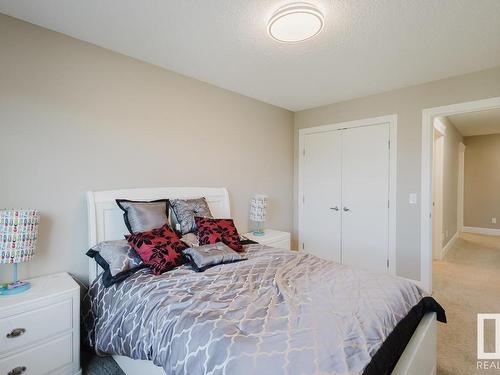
460, 189
392, 120
439, 133
428, 115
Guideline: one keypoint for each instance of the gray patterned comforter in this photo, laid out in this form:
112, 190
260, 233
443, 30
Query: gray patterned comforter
279, 312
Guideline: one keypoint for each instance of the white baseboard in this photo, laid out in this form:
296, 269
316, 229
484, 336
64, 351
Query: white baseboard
449, 245
486, 231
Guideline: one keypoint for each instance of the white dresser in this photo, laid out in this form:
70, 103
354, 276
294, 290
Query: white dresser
271, 237
40, 329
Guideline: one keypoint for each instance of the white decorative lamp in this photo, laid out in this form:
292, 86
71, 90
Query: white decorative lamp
18, 235
258, 206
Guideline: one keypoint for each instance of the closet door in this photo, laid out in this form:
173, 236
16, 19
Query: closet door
365, 197
321, 215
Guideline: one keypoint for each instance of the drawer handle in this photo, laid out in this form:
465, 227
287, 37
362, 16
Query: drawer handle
16, 333
17, 371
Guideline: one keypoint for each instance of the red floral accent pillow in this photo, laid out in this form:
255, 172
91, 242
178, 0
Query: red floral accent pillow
161, 249
211, 231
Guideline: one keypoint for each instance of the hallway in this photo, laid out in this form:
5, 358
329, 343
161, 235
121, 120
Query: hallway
465, 283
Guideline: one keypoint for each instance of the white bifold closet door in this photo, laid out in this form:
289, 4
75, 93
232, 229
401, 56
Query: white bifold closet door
365, 197
322, 199
345, 185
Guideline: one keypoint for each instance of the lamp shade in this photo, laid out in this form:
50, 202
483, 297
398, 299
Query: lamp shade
18, 234
258, 206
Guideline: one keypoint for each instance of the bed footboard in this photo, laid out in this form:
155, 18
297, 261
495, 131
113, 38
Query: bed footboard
420, 355
137, 367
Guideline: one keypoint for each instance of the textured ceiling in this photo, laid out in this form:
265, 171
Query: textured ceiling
477, 123
366, 47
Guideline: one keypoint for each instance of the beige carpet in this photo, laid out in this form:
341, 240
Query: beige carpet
465, 283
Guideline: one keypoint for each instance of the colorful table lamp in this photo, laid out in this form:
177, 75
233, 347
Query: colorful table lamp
18, 234
258, 206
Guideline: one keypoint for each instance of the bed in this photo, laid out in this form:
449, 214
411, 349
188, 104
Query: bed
277, 312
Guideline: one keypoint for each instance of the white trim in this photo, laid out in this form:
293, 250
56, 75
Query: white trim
460, 188
393, 169
392, 120
450, 244
439, 126
437, 194
485, 231
426, 177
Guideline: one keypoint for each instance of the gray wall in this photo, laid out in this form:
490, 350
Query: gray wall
75, 117
452, 140
482, 181
408, 104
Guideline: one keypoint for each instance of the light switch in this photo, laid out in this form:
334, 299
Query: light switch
493, 220
413, 198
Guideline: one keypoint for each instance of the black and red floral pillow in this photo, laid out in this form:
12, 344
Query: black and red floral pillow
161, 249
211, 231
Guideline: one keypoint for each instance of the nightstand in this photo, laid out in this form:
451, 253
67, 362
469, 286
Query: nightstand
40, 328
271, 237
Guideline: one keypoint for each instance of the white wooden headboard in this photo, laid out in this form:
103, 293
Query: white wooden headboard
105, 218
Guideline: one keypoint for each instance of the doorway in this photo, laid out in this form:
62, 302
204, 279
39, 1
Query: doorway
428, 241
465, 234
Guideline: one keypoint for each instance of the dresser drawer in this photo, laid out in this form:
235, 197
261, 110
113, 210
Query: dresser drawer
18, 331
47, 358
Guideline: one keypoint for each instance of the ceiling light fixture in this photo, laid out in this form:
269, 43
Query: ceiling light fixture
295, 22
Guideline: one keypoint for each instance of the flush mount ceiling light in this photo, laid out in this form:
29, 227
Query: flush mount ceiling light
295, 22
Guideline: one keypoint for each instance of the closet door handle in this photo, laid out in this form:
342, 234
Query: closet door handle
334, 208
16, 332
17, 371
346, 209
